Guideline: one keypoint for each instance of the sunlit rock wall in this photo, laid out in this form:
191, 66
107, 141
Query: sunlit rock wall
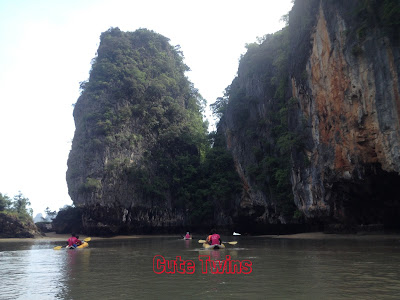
344, 83
350, 101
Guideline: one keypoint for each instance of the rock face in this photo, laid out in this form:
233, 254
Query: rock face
311, 120
351, 103
136, 120
12, 227
68, 220
342, 102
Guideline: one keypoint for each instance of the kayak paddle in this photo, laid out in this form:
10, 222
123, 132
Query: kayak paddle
230, 243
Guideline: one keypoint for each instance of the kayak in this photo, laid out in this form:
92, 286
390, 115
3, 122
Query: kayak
187, 239
83, 245
215, 247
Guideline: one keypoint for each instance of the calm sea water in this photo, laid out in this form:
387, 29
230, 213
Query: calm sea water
280, 269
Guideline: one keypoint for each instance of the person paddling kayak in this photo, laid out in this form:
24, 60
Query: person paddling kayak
72, 241
214, 238
188, 236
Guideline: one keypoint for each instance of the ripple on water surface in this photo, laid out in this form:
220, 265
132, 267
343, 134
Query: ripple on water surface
123, 269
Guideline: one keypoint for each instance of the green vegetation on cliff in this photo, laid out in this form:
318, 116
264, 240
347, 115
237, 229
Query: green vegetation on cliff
18, 206
379, 13
138, 100
16, 217
268, 136
216, 186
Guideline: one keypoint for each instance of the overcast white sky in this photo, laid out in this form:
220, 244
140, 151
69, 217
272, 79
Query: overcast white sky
46, 50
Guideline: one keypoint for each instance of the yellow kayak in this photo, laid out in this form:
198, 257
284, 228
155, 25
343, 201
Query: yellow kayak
208, 246
83, 245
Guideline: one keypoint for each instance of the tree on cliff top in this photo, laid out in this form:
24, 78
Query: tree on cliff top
5, 202
18, 206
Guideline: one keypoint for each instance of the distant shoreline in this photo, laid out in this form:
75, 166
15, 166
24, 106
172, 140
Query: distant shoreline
52, 236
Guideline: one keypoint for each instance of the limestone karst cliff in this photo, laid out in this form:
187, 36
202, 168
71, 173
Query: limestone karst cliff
138, 129
352, 103
313, 117
311, 125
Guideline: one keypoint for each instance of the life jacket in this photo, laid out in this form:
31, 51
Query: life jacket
209, 239
215, 239
72, 240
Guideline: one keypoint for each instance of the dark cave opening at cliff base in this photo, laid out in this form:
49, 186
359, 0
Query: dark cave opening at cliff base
373, 200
